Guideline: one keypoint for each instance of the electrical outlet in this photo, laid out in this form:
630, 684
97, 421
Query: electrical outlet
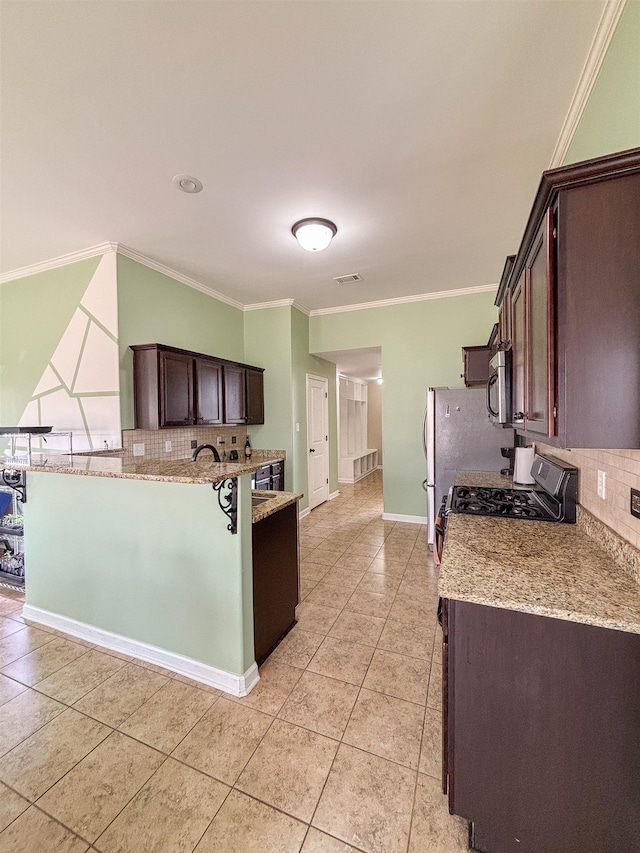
635, 503
602, 484
138, 449
167, 447
234, 439
194, 443
219, 440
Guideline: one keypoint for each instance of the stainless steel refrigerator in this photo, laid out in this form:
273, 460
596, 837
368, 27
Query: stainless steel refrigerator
459, 436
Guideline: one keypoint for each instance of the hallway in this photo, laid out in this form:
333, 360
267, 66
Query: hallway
336, 749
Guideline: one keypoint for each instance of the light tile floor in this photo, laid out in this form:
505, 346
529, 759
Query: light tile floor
337, 748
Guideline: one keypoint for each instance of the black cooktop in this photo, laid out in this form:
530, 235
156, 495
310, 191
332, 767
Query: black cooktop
552, 498
509, 503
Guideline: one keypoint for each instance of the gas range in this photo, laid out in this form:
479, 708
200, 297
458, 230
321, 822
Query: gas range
553, 498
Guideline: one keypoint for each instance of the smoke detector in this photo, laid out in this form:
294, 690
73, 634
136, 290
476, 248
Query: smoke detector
348, 279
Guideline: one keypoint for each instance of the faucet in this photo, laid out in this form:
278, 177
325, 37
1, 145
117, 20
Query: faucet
202, 447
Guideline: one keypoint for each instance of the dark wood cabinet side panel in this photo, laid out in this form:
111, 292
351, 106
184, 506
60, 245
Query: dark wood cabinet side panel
518, 352
146, 398
255, 396
539, 356
275, 578
599, 332
546, 721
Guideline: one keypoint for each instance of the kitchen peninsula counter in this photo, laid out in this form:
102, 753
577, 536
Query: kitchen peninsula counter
543, 568
144, 557
125, 466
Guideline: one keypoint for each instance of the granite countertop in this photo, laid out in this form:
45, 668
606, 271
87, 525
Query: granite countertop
538, 567
487, 479
276, 501
122, 465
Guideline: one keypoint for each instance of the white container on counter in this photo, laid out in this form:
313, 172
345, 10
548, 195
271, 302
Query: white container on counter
523, 464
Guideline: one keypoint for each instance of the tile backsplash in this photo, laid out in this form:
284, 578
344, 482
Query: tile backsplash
155, 440
622, 469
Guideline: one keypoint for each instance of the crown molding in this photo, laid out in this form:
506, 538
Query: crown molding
278, 303
139, 258
127, 252
60, 261
403, 300
593, 63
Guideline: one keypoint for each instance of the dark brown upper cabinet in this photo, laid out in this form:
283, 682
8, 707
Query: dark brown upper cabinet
209, 392
503, 301
574, 293
243, 395
178, 388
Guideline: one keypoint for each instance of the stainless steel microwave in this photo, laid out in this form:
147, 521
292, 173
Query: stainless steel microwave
499, 387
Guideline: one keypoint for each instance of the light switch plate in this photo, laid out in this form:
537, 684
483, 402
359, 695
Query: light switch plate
167, 446
138, 449
602, 484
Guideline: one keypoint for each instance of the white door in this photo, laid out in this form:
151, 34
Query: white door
317, 439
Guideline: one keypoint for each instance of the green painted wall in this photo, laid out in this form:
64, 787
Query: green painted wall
34, 313
303, 363
278, 340
267, 336
611, 119
154, 308
421, 347
164, 570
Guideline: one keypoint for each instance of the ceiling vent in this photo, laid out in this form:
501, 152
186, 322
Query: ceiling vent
348, 279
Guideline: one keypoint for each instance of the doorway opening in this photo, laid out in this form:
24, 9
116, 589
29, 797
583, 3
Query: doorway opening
359, 411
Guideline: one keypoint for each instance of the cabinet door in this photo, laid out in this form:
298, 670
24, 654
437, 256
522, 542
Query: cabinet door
518, 352
540, 319
504, 318
209, 388
176, 390
255, 396
235, 399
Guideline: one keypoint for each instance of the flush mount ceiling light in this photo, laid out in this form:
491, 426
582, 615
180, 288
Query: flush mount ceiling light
314, 234
187, 183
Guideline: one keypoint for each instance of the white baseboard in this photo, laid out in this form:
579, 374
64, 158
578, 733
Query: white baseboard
236, 685
303, 513
334, 495
409, 519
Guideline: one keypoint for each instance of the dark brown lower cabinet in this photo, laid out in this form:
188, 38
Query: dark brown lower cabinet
270, 477
541, 731
275, 579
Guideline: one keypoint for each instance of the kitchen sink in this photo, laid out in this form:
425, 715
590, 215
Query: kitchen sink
256, 500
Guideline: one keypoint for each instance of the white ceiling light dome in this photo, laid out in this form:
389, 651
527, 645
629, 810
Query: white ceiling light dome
314, 234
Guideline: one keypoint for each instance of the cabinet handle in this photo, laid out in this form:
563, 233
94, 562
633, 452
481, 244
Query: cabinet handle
518, 416
312, 450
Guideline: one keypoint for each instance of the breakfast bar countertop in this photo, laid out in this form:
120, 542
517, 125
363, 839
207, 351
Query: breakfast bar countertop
126, 466
544, 568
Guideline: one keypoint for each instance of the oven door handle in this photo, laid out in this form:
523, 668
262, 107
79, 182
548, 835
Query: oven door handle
491, 381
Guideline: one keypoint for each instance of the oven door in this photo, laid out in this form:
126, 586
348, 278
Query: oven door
499, 388
438, 536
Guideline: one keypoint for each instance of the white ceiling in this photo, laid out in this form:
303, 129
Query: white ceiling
363, 363
420, 128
